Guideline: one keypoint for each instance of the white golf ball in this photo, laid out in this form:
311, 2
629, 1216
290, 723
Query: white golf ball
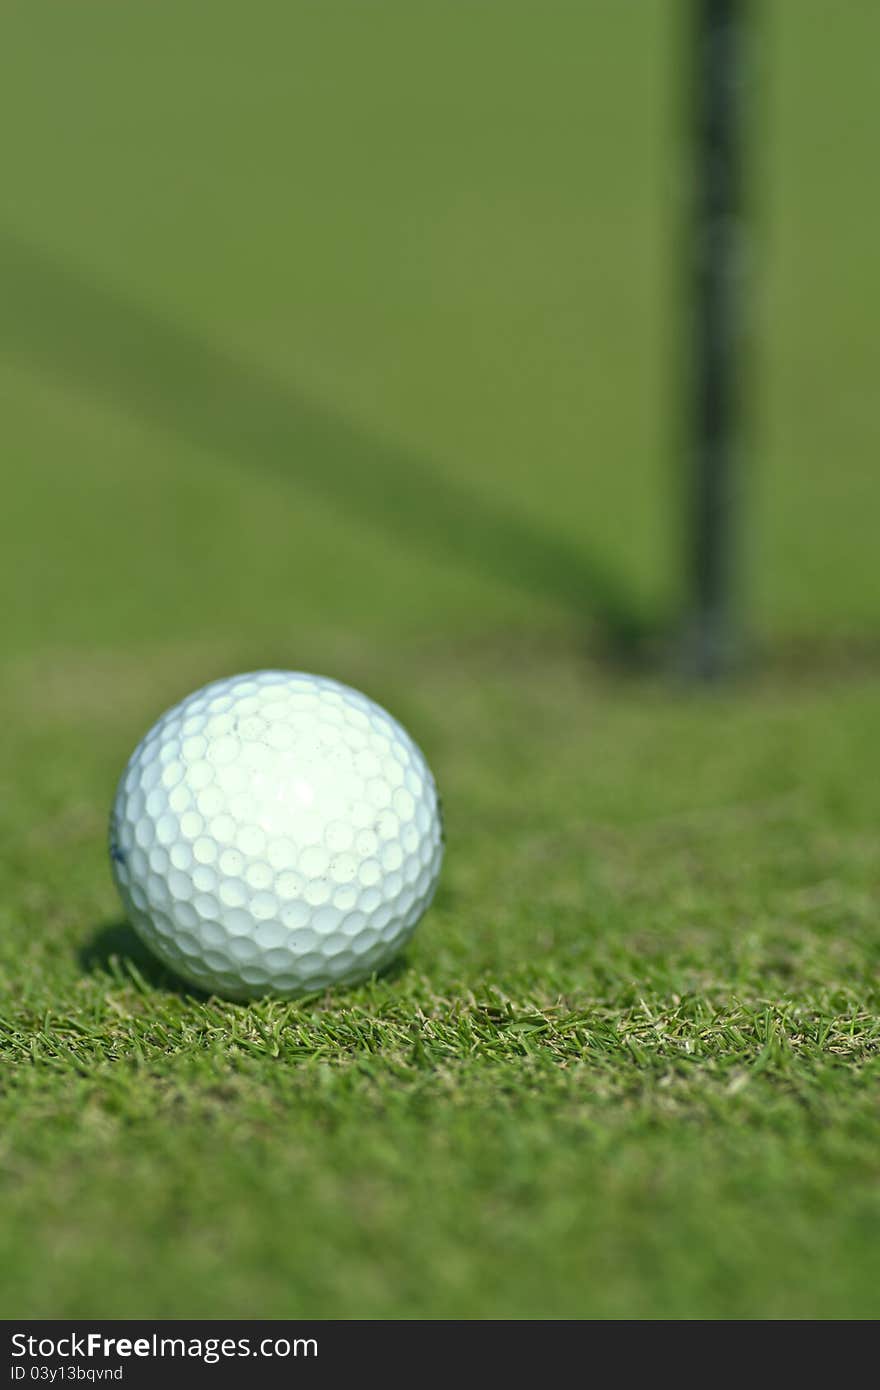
276, 833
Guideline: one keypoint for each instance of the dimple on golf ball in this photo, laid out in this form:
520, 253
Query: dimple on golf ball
276, 833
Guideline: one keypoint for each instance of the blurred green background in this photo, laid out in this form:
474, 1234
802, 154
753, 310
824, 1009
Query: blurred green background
442, 240
348, 337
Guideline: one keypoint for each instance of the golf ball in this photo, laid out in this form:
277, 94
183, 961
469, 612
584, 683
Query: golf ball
276, 833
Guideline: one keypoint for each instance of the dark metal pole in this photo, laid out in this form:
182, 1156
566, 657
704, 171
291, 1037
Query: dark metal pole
717, 366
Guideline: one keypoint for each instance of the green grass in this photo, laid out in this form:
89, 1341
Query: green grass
628, 1067
341, 338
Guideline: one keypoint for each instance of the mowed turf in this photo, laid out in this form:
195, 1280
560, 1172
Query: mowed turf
341, 339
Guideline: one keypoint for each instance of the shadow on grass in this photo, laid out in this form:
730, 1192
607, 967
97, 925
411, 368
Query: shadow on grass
115, 949
67, 324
